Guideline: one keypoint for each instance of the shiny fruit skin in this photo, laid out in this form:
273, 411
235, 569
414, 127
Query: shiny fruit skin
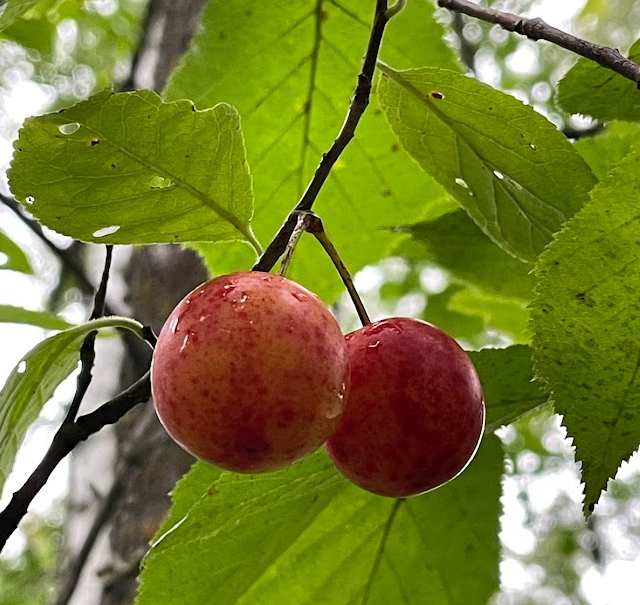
415, 411
250, 372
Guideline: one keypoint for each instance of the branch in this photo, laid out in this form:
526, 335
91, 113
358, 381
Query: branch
537, 29
64, 441
358, 104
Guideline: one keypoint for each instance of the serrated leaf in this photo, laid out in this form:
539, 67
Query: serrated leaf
603, 151
590, 89
128, 168
42, 319
304, 535
456, 244
290, 69
33, 381
16, 259
507, 382
505, 164
586, 325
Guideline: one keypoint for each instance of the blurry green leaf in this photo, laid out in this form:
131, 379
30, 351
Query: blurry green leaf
290, 68
33, 381
593, 90
42, 319
586, 325
16, 259
456, 244
504, 163
12, 10
305, 536
507, 381
509, 315
603, 151
128, 168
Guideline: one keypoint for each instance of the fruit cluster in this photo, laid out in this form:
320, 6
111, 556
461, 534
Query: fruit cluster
252, 373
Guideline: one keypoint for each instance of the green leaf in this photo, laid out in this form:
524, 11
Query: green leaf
504, 163
290, 68
507, 382
42, 319
35, 378
128, 168
16, 259
603, 151
455, 243
12, 10
304, 535
586, 325
593, 90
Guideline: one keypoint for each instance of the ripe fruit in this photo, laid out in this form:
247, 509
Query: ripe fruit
250, 372
415, 412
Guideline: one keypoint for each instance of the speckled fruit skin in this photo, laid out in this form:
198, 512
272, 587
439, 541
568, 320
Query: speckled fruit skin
250, 372
415, 411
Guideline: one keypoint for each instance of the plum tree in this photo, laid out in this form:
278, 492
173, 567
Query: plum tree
415, 411
250, 372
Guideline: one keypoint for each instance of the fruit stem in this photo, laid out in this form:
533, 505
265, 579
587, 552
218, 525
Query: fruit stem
316, 227
302, 224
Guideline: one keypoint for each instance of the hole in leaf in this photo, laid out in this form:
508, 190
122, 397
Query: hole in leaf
498, 175
159, 182
22, 367
4, 259
437, 95
106, 231
29, 199
70, 128
532, 146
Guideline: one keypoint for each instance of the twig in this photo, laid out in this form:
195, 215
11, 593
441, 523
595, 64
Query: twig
64, 441
537, 29
357, 106
87, 350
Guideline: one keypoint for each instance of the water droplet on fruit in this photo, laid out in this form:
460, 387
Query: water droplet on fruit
299, 296
244, 298
226, 290
173, 326
374, 345
203, 317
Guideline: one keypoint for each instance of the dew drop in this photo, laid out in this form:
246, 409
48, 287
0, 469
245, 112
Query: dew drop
68, 129
106, 231
462, 183
498, 175
29, 199
159, 182
22, 367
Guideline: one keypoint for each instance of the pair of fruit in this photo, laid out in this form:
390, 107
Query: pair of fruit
251, 372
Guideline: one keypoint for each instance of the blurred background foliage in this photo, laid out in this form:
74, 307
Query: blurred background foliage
62, 51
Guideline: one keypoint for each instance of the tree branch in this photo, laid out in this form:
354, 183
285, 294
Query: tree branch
359, 103
536, 29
